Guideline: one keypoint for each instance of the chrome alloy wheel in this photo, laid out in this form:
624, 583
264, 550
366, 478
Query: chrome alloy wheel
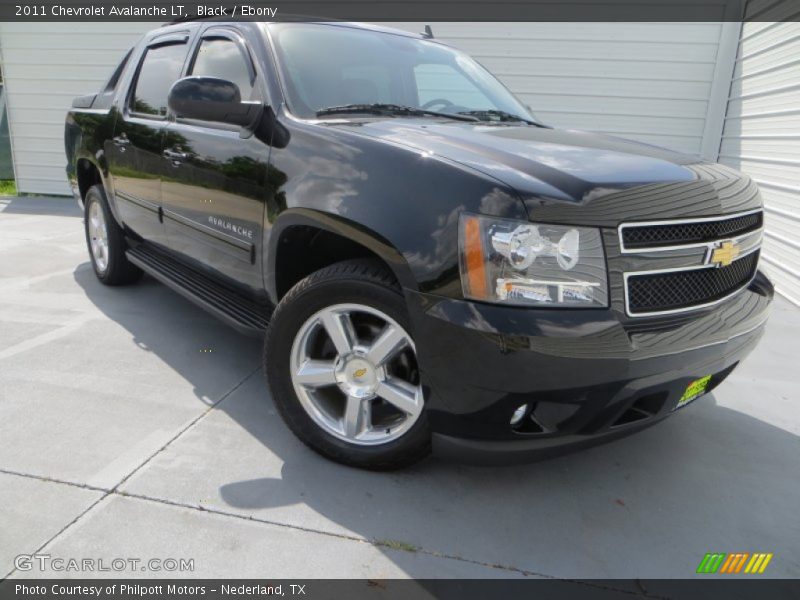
98, 236
355, 372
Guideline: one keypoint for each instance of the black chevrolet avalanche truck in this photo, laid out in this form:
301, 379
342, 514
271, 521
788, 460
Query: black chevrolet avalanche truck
432, 268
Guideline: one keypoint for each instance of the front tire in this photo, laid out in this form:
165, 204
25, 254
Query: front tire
106, 241
342, 368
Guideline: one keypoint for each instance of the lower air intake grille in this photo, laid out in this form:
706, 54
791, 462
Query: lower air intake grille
676, 290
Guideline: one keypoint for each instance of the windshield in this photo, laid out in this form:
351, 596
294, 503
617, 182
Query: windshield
324, 66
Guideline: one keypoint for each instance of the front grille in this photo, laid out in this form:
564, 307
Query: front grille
675, 290
689, 232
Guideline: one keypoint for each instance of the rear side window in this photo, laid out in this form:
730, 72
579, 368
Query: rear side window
222, 58
160, 68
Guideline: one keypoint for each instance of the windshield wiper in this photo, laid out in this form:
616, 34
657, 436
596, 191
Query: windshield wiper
502, 116
391, 110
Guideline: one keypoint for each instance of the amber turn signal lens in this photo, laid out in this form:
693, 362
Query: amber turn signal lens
474, 258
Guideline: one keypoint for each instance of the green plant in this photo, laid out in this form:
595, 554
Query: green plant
8, 187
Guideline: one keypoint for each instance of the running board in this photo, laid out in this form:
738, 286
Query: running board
234, 309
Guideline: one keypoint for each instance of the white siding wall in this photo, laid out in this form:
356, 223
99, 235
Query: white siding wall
762, 138
647, 81
45, 65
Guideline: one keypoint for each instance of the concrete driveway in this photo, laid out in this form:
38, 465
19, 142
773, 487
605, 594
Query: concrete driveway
134, 425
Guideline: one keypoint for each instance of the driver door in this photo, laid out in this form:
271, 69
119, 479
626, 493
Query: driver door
214, 191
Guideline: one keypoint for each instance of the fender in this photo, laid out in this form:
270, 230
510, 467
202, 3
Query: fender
405, 199
87, 130
371, 240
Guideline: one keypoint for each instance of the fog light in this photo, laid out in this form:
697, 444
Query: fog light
518, 414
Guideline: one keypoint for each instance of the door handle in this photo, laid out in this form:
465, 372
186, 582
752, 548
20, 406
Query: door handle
175, 156
120, 142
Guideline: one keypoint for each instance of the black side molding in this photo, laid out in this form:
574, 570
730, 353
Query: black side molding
239, 312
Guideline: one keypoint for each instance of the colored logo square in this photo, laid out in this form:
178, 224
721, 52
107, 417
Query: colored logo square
694, 390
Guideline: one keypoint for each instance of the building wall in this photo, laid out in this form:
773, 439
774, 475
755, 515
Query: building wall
45, 65
762, 138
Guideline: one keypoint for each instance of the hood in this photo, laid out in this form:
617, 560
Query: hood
553, 164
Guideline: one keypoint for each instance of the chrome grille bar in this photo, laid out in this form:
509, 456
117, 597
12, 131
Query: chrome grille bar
685, 221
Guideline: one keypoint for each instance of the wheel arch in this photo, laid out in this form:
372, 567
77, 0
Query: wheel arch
89, 172
332, 239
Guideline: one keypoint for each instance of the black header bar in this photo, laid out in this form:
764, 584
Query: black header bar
705, 587
408, 10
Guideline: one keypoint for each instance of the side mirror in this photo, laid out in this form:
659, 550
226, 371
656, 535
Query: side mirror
212, 99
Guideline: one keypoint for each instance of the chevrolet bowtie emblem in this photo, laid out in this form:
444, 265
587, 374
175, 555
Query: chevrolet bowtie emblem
359, 373
725, 253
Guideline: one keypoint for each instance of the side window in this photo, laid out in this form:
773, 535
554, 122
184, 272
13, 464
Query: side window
222, 58
160, 68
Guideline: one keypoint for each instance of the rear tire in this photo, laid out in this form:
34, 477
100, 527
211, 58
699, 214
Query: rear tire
106, 241
353, 400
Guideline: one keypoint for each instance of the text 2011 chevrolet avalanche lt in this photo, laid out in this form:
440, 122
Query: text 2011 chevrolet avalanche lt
433, 267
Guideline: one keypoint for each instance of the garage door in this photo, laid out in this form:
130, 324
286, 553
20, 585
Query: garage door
762, 137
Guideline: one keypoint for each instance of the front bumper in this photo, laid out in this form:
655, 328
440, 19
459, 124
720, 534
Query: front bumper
588, 376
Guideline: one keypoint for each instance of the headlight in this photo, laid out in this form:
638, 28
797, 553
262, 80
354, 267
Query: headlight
515, 262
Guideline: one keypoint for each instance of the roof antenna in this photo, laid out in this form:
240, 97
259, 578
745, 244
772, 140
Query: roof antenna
428, 32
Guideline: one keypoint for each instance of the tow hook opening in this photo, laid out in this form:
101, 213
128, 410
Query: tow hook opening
643, 408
